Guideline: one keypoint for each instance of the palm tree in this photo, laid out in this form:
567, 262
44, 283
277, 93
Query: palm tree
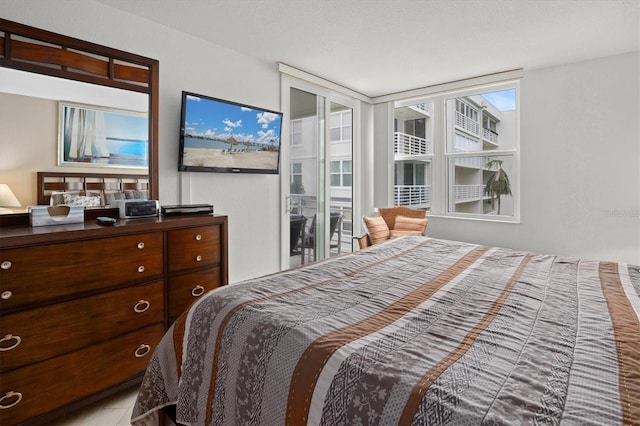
498, 184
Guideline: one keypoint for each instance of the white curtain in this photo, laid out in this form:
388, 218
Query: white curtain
85, 134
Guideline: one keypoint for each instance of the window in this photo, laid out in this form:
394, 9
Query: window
341, 126
473, 162
341, 173
296, 178
296, 132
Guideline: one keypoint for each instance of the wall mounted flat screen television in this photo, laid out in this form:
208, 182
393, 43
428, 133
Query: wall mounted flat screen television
217, 135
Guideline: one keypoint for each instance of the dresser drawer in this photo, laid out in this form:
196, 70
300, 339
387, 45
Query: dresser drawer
39, 388
39, 334
186, 288
193, 247
49, 272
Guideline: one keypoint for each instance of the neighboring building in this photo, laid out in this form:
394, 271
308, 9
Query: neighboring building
472, 125
413, 154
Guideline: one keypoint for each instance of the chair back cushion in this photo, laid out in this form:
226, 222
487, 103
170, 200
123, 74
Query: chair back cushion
410, 224
390, 213
377, 229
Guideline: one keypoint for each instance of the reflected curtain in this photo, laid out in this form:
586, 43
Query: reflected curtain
84, 134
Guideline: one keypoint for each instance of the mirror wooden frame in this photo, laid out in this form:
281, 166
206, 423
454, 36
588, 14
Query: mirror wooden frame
31, 49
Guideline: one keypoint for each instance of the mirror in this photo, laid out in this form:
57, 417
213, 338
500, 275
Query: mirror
30, 98
39, 69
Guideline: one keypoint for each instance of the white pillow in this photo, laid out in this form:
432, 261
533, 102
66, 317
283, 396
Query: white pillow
81, 200
57, 197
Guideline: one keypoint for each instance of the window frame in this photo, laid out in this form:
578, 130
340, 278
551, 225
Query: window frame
440, 174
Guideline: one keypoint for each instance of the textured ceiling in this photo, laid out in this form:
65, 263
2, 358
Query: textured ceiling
380, 47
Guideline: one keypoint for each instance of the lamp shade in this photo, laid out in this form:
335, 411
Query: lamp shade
7, 198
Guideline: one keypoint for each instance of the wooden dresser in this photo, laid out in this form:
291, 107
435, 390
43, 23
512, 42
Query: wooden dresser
82, 306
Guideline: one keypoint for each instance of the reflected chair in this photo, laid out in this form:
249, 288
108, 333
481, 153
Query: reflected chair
335, 219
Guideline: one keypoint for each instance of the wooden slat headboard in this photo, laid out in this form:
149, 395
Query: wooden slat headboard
49, 182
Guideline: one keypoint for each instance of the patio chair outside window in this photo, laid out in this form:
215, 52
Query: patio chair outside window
334, 225
297, 235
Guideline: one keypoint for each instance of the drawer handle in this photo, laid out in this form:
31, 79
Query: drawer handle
141, 306
140, 245
10, 395
197, 291
6, 295
8, 338
6, 265
198, 237
142, 350
198, 258
141, 268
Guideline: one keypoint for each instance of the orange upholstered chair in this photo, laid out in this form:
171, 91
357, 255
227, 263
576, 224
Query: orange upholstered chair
410, 222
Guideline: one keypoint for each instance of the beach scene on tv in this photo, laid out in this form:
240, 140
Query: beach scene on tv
219, 134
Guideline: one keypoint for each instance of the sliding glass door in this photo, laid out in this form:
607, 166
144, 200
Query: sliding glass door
319, 194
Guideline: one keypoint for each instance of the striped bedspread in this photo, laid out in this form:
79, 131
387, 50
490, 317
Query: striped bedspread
413, 331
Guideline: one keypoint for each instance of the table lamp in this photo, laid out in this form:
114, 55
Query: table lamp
7, 199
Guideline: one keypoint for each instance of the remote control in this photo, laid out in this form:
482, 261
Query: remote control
103, 220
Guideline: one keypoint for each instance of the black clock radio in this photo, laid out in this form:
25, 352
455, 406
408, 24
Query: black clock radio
130, 209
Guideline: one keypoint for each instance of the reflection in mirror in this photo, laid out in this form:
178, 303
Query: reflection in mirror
36, 51
29, 125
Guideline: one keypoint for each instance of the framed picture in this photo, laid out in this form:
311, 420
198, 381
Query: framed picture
97, 136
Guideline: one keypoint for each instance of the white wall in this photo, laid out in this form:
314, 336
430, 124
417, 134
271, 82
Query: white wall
24, 148
186, 63
580, 165
382, 176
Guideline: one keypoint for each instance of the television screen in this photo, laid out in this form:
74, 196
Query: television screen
223, 136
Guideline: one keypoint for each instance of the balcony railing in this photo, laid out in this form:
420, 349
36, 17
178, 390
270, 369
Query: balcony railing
465, 193
412, 195
404, 144
307, 205
467, 123
490, 135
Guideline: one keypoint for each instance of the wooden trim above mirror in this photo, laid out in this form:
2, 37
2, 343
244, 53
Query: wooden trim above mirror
31, 49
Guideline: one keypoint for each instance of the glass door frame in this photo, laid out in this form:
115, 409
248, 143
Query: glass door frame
322, 224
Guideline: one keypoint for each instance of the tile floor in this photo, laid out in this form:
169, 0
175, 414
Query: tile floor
113, 411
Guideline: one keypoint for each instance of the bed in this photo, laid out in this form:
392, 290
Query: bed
90, 189
415, 330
